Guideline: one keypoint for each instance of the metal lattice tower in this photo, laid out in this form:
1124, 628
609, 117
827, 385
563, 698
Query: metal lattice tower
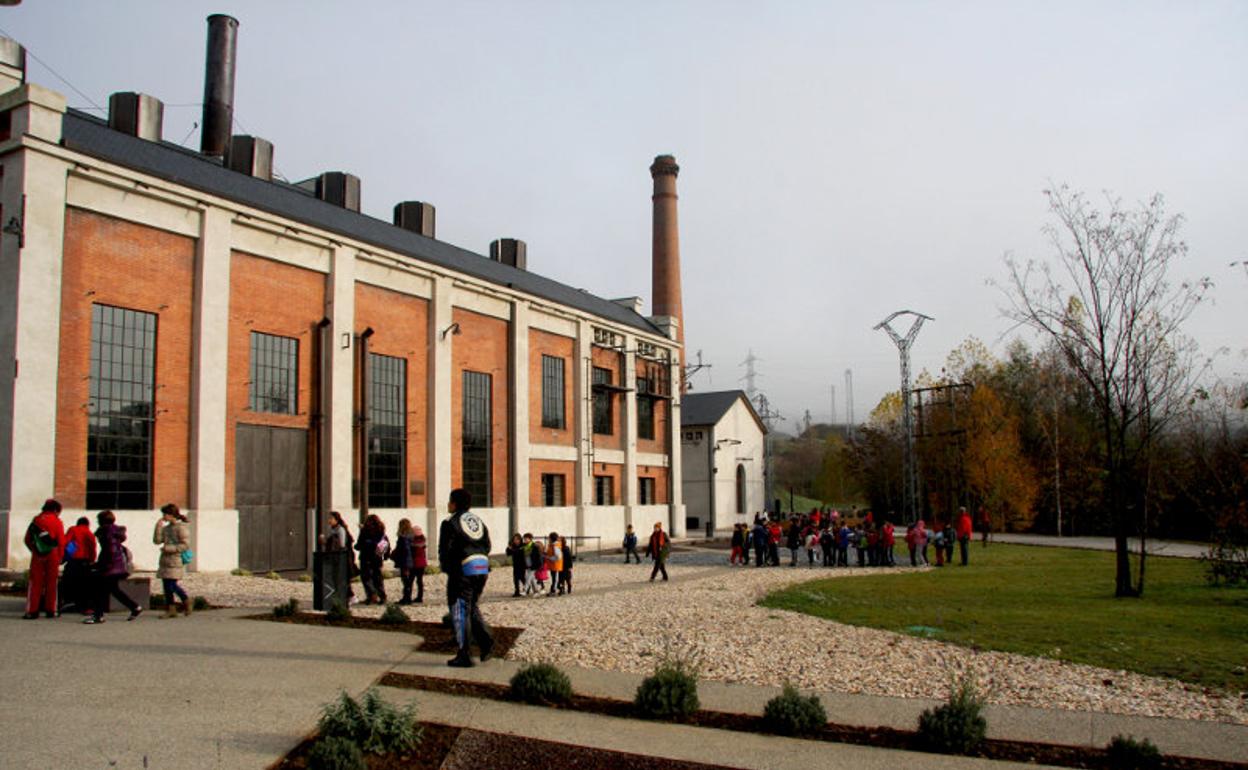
769, 419
751, 374
849, 403
832, 401
910, 474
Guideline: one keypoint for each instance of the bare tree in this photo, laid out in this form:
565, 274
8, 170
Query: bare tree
1106, 301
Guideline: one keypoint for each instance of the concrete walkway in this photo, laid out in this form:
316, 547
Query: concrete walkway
213, 691
1154, 547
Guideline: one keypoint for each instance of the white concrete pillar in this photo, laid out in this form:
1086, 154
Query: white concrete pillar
215, 530
519, 414
439, 407
673, 446
30, 319
340, 383
582, 396
629, 493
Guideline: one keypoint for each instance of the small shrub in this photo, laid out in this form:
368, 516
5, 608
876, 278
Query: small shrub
394, 615
200, 603
336, 754
790, 713
541, 684
287, 609
372, 724
388, 573
433, 569
240, 572
1126, 753
671, 692
1226, 561
156, 602
273, 575
338, 612
304, 578
958, 726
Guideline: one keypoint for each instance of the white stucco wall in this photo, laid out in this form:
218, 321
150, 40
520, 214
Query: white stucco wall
736, 440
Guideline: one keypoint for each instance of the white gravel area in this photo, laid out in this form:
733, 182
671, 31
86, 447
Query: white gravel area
616, 620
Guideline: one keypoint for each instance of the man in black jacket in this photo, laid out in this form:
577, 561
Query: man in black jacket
464, 554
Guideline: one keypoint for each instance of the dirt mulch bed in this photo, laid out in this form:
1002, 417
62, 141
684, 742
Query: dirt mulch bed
435, 636
454, 748
882, 737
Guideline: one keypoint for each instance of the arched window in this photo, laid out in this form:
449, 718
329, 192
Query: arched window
741, 489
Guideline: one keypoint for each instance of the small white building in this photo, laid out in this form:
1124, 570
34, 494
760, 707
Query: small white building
723, 458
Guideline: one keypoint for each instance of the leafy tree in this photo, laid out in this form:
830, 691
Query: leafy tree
997, 471
1107, 302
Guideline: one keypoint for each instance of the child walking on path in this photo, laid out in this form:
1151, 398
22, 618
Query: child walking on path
554, 562
630, 544
112, 566
519, 563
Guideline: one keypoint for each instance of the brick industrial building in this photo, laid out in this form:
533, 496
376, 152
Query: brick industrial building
178, 326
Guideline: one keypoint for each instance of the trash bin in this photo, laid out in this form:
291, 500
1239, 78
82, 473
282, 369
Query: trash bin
331, 578
710, 529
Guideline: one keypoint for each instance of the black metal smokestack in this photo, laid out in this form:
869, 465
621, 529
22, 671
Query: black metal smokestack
215, 128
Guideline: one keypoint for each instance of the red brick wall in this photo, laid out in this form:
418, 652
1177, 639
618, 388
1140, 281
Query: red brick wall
278, 299
604, 358
481, 346
400, 324
544, 343
113, 262
662, 487
538, 467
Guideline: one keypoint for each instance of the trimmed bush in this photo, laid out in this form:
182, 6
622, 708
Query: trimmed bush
541, 684
336, 754
958, 726
338, 612
372, 724
273, 575
200, 603
394, 615
671, 692
1126, 753
304, 578
240, 572
286, 610
790, 713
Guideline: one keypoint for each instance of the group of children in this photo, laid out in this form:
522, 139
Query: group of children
829, 538
534, 563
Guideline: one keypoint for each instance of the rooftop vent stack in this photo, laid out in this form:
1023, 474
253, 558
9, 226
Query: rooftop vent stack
510, 251
419, 217
12, 64
136, 114
251, 155
218, 120
340, 189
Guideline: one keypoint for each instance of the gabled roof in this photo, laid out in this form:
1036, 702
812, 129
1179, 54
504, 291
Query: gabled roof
710, 408
91, 136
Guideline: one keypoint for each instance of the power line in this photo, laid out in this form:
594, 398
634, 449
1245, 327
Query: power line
58, 75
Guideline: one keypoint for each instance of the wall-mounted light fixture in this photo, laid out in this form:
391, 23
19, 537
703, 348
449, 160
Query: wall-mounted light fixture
727, 441
453, 329
14, 227
346, 340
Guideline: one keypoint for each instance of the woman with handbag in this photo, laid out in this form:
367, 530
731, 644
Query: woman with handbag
112, 566
174, 540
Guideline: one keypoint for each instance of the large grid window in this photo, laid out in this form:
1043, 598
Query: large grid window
475, 451
552, 393
645, 409
552, 489
604, 414
274, 374
646, 490
604, 490
121, 412
387, 430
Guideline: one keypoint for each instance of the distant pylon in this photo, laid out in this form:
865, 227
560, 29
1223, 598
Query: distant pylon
751, 374
910, 480
849, 403
832, 402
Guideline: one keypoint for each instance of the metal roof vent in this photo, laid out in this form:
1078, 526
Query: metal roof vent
419, 217
250, 155
12, 64
510, 251
136, 114
336, 187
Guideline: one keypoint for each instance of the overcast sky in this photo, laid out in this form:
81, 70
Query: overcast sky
839, 161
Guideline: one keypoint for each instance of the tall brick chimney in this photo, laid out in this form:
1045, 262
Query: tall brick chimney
665, 294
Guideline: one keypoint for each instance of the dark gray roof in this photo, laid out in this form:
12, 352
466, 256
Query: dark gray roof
708, 408
92, 136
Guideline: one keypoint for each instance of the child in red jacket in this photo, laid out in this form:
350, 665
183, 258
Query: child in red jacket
80, 553
45, 537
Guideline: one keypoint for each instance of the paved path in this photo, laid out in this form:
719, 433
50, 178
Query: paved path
1155, 547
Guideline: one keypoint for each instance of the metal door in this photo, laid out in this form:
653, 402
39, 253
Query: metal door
270, 492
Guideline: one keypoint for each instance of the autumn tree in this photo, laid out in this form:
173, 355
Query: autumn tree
1106, 300
997, 471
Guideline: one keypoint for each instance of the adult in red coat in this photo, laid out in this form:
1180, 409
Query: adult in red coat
45, 537
963, 525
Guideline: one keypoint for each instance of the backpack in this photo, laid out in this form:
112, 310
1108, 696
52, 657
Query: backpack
40, 541
383, 548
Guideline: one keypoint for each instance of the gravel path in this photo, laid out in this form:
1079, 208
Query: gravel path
617, 620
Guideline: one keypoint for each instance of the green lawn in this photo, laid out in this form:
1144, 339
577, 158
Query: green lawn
1053, 602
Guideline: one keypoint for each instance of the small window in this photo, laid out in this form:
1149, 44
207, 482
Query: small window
603, 411
274, 374
552, 489
604, 490
552, 393
645, 488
